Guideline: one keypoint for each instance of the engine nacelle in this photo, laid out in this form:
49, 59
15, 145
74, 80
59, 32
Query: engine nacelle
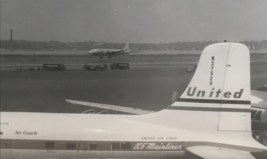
260, 136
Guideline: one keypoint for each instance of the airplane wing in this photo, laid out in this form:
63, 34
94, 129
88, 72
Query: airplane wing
111, 107
207, 152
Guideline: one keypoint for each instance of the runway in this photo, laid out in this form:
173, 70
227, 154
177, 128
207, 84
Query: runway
75, 62
140, 87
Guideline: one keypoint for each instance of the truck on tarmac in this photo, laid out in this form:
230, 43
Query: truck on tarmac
95, 67
119, 66
53, 67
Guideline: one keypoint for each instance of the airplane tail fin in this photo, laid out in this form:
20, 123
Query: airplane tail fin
126, 48
218, 96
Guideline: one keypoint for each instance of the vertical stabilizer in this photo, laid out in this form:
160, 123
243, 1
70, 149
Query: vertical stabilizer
126, 48
220, 89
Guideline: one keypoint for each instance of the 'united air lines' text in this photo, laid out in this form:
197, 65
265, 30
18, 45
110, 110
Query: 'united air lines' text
213, 93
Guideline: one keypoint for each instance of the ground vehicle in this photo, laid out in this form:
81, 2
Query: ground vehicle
31, 69
95, 67
121, 66
53, 67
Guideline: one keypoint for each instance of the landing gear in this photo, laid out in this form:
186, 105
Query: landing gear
101, 57
109, 57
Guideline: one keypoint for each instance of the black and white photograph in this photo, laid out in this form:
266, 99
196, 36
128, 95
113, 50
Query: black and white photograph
133, 79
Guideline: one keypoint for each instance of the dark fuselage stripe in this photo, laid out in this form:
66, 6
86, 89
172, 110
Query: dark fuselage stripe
14, 144
209, 109
213, 101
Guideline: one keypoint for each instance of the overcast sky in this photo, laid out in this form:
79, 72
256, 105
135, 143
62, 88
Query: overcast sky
149, 21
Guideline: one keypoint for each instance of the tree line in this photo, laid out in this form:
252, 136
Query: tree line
87, 45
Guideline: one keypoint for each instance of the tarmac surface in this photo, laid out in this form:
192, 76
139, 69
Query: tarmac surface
149, 84
10, 61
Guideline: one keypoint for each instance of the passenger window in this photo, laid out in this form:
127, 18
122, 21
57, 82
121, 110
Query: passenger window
82, 147
92, 146
71, 146
115, 146
49, 145
126, 146
1, 133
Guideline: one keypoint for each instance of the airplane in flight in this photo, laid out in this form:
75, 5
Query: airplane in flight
109, 52
211, 119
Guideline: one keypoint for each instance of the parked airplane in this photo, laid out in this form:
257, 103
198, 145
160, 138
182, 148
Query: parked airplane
210, 120
109, 52
258, 108
258, 111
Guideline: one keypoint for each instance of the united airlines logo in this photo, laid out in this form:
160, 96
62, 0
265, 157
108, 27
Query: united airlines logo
194, 92
156, 146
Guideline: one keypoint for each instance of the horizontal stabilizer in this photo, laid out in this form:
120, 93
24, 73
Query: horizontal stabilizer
110, 107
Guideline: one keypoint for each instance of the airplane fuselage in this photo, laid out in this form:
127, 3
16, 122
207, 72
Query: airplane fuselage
92, 135
107, 52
